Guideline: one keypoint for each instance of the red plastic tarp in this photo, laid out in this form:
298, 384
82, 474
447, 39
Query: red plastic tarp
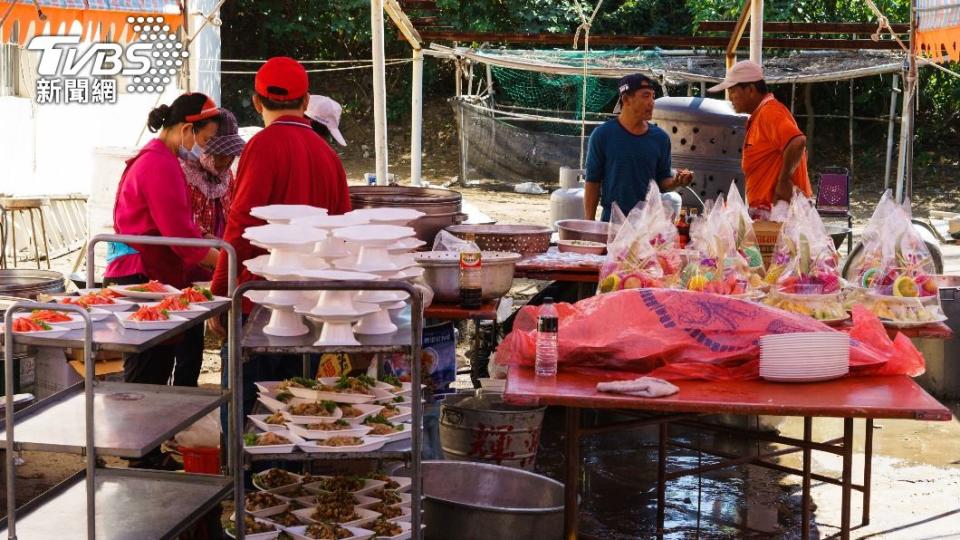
689, 335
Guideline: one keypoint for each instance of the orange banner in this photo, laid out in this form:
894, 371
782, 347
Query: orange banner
940, 44
24, 23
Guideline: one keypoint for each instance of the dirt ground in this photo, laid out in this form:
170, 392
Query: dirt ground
916, 473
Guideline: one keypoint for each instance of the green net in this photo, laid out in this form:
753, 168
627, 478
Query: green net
547, 91
534, 90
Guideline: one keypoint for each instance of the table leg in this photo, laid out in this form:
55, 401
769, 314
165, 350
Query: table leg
867, 470
36, 241
846, 478
571, 485
3, 238
805, 492
662, 476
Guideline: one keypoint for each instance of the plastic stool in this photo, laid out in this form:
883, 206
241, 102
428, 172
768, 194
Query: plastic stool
10, 206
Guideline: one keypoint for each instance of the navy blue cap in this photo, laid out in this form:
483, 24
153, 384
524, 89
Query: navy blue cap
634, 82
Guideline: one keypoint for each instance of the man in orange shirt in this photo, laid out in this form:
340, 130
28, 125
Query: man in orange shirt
774, 150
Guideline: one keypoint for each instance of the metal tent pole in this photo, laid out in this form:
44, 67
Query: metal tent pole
905, 164
850, 128
379, 91
416, 127
891, 123
756, 31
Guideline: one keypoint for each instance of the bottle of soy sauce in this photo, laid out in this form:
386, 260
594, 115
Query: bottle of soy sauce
471, 268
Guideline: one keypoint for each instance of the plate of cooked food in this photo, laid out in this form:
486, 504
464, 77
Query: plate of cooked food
343, 444
380, 427
343, 482
103, 299
338, 389
148, 318
274, 478
384, 529
25, 325
262, 504
328, 531
326, 430
201, 295
152, 290
317, 412
270, 442
61, 319
269, 422
180, 306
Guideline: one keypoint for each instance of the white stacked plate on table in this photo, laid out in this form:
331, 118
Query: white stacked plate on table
804, 356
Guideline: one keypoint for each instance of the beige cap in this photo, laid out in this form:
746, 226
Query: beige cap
327, 112
741, 72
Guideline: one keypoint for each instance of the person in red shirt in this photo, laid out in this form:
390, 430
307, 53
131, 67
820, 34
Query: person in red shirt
285, 163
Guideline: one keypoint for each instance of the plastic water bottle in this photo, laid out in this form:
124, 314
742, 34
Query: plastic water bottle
547, 327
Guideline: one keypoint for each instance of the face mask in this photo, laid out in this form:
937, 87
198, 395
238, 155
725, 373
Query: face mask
190, 155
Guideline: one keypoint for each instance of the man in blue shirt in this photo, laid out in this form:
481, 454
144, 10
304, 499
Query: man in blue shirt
626, 153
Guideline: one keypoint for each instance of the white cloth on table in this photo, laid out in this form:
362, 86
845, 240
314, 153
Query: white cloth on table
649, 387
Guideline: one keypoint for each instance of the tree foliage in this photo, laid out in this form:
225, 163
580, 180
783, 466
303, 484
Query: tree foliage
320, 29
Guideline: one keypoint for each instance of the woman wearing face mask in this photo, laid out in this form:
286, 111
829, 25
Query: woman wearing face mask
153, 200
210, 179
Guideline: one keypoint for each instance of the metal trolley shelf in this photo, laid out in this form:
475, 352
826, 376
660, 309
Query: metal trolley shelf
129, 419
117, 419
254, 341
250, 339
132, 504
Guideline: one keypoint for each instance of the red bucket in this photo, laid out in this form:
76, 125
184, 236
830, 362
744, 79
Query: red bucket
201, 460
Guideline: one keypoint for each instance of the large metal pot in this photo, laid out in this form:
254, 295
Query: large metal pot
30, 283
583, 229
442, 273
942, 376
525, 239
478, 501
442, 206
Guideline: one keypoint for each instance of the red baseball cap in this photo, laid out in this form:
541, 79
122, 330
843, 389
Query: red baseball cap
282, 78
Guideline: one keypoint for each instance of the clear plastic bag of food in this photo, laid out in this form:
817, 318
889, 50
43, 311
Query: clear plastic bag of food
718, 267
805, 272
906, 267
902, 282
746, 239
869, 261
642, 245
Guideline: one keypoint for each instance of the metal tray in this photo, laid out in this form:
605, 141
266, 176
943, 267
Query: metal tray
129, 419
131, 504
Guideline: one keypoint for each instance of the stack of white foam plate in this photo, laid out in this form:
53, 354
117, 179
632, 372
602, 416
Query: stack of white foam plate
804, 357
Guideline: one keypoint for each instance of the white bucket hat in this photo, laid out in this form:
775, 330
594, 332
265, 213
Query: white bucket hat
327, 112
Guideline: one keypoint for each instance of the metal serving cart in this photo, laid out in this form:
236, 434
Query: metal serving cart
97, 419
247, 339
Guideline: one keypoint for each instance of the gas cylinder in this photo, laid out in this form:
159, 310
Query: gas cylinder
567, 201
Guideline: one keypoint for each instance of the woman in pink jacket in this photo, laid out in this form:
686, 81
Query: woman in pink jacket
153, 200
